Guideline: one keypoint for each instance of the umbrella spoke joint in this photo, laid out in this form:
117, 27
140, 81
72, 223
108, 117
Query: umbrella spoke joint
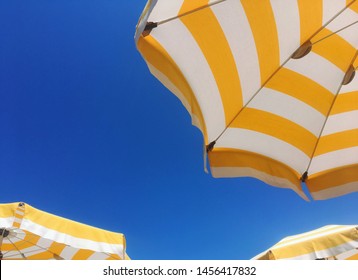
149, 27
4, 232
303, 50
349, 75
304, 177
210, 146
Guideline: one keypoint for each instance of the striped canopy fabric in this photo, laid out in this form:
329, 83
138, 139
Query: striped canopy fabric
28, 233
326, 243
270, 83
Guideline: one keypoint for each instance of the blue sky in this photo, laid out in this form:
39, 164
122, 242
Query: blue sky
88, 134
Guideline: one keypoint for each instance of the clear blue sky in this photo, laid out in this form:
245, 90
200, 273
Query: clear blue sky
87, 133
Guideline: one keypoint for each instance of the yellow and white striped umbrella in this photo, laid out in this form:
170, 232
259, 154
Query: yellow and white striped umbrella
28, 233
329, 242
270, 83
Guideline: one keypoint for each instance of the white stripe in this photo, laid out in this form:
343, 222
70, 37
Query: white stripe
165, 9
349, 34
237, 30
27, 252
347, 255
331, 252
19, 212
44, 243
288, 26
197, 72
6, 222
144, 18
336, 191
318, 69
98, 256
70, 240
334, 159
266, 145
331, 8
226, 172
289, 108
68, 253
166, 82
18, 220
341, 122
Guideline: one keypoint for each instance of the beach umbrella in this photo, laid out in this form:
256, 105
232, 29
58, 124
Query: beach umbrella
326, 243
271, 84
28, 233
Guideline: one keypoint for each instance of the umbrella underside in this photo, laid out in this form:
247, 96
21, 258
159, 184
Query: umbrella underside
271, 85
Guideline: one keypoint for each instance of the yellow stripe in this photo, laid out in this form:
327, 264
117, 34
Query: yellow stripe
18, 215
223, 157
332, 178
311, 17
208, 34
334, 48
337, 141
40, 256
189, 6
6, 247
355, 256
7, 210
328, 240
302, 88
263, 26
82, 254
57, 248
307, 247
354, 6
116, 257
278, 127
71, 227
29, 241
157, 56
309, 235
345, 103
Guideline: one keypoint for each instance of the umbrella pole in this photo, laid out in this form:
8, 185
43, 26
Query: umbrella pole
1, 254
3, 233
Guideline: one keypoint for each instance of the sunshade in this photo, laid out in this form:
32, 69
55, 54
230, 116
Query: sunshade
330, 242
270, 84
28, 233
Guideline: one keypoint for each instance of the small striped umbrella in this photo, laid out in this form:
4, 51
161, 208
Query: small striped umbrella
28, 233
271, 84
326, 243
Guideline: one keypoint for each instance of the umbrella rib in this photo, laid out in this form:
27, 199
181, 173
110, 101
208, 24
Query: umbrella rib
332, 19
190, 12
339, 30
17, 249
23, 241
109, 255
47, 249
327, 116
32, 251
211, 145
29, 242
150, 25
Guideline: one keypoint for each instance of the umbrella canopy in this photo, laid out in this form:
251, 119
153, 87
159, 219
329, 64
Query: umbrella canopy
28, 233
271, 85
329, 242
